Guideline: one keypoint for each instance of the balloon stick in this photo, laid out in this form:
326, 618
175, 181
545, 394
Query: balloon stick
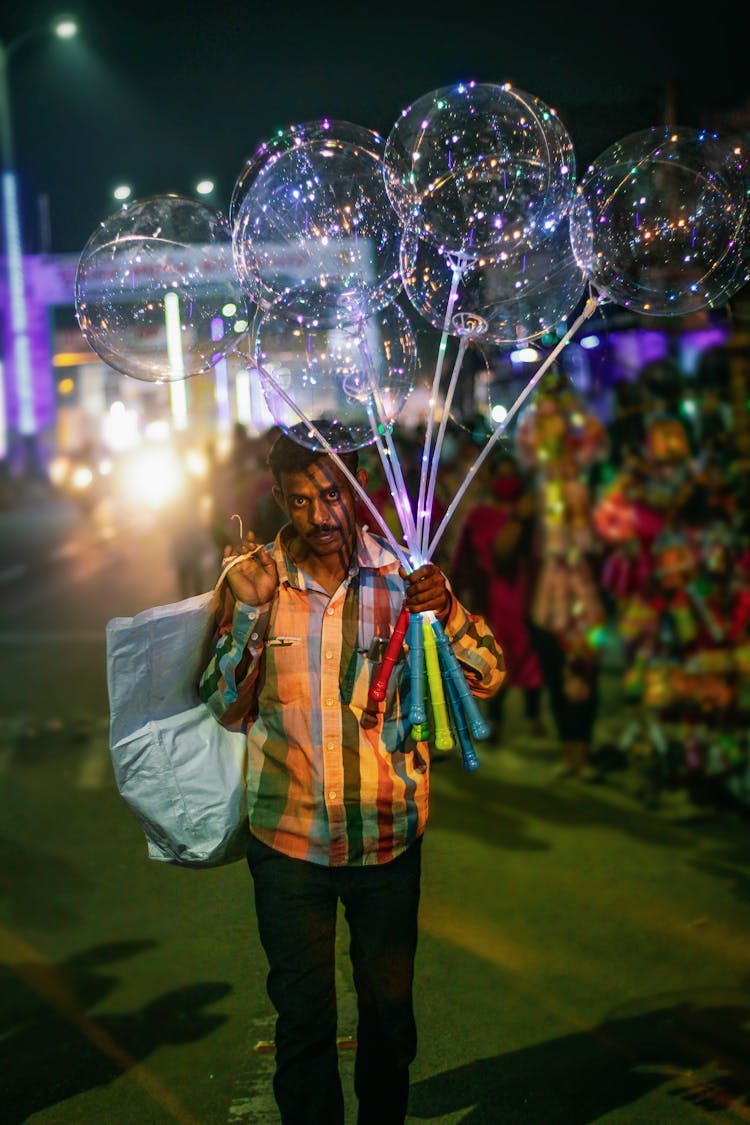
418, 711
458, 264
443, 737
391, 463
379, 685
589, 308
430, 494
453, 672
469, 758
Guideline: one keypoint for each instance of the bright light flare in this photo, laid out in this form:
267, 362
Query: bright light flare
65, 27
81, 478
196, 464
152, 478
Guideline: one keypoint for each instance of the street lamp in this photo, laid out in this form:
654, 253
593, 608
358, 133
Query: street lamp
18, 355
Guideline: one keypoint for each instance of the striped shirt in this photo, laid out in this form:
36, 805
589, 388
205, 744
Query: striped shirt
296, 674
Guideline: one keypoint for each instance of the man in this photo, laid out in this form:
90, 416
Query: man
337, 791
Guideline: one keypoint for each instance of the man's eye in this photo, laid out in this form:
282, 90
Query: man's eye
333, 494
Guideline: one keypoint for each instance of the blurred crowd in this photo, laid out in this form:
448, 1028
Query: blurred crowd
634, 538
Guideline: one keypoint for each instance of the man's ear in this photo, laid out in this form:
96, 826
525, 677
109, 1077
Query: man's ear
278, 495
361, 475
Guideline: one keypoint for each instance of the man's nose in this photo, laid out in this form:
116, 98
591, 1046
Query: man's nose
319, 512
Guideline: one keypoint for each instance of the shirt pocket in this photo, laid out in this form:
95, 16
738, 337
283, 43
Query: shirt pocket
286, 676
367, 662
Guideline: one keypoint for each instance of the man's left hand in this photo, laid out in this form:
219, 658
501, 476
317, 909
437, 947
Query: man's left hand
427, 590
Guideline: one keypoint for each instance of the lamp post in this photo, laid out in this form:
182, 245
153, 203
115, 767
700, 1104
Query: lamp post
18, 355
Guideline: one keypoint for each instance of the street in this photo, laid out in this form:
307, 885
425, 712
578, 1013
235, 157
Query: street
583, 958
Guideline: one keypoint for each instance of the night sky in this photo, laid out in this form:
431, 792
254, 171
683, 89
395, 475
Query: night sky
161, 94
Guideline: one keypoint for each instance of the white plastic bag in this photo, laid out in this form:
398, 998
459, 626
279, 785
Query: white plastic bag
179, 771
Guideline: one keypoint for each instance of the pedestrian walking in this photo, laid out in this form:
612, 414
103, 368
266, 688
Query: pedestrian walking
337, 789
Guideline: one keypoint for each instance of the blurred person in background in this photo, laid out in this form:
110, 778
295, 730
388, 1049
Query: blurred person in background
492, 573
559, 438
242, 484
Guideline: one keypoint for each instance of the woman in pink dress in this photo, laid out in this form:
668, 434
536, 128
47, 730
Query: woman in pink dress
491, 572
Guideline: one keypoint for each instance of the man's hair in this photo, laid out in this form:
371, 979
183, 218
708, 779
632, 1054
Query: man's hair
288, 455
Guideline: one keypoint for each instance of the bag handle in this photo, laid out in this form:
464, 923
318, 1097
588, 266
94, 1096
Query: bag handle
232, 561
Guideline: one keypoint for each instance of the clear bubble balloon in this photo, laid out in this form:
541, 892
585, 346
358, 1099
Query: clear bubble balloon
316, 237
504, 297
157, 296
284, 140
478, 162
353, 377
668, 208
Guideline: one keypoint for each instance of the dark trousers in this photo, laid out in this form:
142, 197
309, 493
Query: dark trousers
296, 904
574, 719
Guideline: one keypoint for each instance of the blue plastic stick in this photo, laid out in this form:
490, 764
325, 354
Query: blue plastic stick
418, 711
469, 758
480, 728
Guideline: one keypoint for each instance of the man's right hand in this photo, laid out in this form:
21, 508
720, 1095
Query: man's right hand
254, 580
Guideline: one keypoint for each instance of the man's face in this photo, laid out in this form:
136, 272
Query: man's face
321, 505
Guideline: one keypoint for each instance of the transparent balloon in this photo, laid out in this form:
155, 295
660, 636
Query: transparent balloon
668, 209
355, 378
157, 296
285, 140
508, 296
316, 237
479, 163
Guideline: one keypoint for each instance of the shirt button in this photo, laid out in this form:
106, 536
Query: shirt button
332, 795
331, 746
329, 702
329, 656
253, 636
329, 612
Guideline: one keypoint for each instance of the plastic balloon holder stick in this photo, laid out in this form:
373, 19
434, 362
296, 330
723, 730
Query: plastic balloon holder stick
379, 685
469, 758
443, 736
480, 728
418, 711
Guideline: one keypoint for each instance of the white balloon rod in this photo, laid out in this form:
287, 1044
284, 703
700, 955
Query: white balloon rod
589, 308
456, 277
435, 461
398, 551
391, 460
400, 497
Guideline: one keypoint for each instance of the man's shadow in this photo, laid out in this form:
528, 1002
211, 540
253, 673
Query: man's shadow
53, 1049
579, 1078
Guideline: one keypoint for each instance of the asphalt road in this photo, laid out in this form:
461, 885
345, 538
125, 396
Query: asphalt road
582, 958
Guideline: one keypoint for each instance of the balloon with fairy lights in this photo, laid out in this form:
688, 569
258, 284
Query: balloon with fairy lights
516, 296
357, 378
283, 141
157, 296
669, 213
480, 165
316, 237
